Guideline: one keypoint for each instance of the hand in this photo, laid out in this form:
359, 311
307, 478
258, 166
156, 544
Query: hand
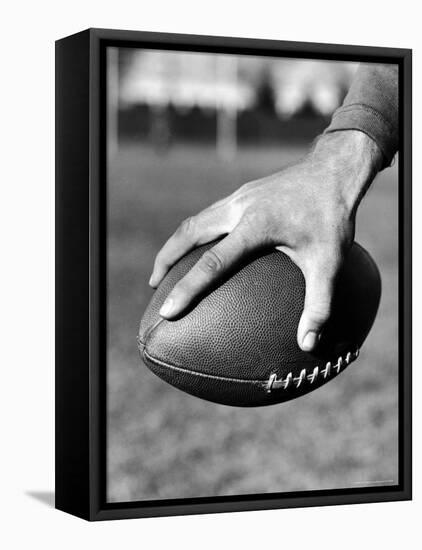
307, 211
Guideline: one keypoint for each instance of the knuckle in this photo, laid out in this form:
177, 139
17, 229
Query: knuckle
187, 227
319, 313
180, 290
245, 188
211, 263
249, 220
249, 225
256, 224
234, 207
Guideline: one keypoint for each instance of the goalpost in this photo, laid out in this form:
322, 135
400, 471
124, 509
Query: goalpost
226, 138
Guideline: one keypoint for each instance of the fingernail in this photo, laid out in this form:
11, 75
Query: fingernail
310, 340
166, 307
151, 281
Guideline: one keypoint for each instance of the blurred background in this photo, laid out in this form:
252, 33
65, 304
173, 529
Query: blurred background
184, 130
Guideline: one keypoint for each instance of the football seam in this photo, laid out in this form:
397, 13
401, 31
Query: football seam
143, 345
161, 363
272, 383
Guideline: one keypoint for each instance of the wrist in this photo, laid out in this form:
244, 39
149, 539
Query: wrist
351, 160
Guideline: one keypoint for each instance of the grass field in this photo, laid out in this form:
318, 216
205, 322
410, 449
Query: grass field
163, 443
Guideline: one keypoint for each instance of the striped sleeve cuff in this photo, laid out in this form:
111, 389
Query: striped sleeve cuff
357, 116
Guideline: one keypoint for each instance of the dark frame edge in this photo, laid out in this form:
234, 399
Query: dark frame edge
129, 511
317, 50
405, 171
72, 368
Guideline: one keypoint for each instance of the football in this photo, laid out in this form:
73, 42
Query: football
237, 344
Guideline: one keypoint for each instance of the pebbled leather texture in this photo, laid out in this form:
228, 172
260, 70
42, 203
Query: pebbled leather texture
241, 337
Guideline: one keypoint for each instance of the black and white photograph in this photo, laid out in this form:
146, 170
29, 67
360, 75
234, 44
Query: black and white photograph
210, 267
252, 275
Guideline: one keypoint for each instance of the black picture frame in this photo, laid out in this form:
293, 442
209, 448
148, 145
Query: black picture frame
81, 274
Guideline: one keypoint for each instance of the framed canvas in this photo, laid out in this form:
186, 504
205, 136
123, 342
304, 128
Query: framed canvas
152, 129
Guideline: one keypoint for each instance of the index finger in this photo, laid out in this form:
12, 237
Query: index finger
213, 265
207, 226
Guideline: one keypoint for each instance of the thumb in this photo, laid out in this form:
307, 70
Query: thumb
316, 312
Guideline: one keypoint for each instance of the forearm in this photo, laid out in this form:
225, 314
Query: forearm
371, 107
